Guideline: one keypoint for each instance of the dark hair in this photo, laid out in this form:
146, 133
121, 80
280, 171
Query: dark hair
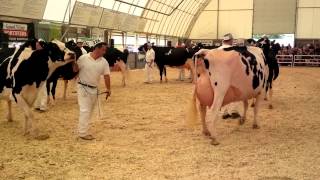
99, 45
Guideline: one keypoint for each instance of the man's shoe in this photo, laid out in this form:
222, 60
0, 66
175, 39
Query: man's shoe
87, 137
235, 115
226, 116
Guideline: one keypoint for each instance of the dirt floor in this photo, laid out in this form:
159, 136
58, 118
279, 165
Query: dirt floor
142, 136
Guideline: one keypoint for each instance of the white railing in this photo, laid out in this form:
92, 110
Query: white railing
306, 60
285, 60
299, 60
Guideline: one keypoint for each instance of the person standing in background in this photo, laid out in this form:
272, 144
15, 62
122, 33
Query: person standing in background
150, 56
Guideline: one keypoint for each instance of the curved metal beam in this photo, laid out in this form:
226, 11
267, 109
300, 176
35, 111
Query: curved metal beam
195, 18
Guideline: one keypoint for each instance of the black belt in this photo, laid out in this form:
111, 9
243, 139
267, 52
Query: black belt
87, 85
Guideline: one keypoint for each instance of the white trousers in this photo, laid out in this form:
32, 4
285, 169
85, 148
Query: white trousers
181, 74
42, 99
231, 108
87, 98
148, 71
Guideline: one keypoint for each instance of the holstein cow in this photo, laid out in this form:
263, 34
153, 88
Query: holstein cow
65, 72
229, 75
273, 72
117, 61
23, 73
173, 57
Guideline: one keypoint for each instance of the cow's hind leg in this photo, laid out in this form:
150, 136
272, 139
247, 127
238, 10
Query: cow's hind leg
253, 102
48, 91
64, 90
255, 110
203, 112
161, 69
245, 109
215, 108
165, 74
270, 98
31, 124
9, 116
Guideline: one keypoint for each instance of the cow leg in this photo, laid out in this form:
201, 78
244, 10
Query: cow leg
65, 89
9, 116
255, 111
203, 112
252, 104
245, 109
27, 114
48, 91
270, 98
266, 97
165, 74
161, 68
217, 103
31, 124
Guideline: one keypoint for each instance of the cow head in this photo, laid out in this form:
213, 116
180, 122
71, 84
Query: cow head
68, 54
71, 45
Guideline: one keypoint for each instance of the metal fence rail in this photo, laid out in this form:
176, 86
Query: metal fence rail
299, 60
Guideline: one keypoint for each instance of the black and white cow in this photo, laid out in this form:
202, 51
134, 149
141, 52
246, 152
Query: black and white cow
64, 72
173, 57
24, 72
229, 75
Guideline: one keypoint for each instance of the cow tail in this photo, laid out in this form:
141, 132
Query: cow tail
192, 111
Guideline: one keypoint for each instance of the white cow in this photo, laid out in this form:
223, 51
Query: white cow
229, 75
23, 73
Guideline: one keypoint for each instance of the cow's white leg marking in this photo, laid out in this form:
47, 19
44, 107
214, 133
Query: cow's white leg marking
253, 100
203, 111
255, 111
65, 89
27, 113
9, 116
270, 98
245, 109
217, 103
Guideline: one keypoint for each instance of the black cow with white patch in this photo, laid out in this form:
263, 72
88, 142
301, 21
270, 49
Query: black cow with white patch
173, 57
24, 72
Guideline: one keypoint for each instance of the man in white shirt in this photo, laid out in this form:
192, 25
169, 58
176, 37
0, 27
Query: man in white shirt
90, 67
150, 56
230, 111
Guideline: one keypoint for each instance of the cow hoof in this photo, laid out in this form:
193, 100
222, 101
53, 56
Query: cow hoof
270, 106
206, 133
255, 126
214, 142
252, 105
242, 120
42, 137
266, 99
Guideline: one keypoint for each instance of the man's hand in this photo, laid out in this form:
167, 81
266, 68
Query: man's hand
108, 93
